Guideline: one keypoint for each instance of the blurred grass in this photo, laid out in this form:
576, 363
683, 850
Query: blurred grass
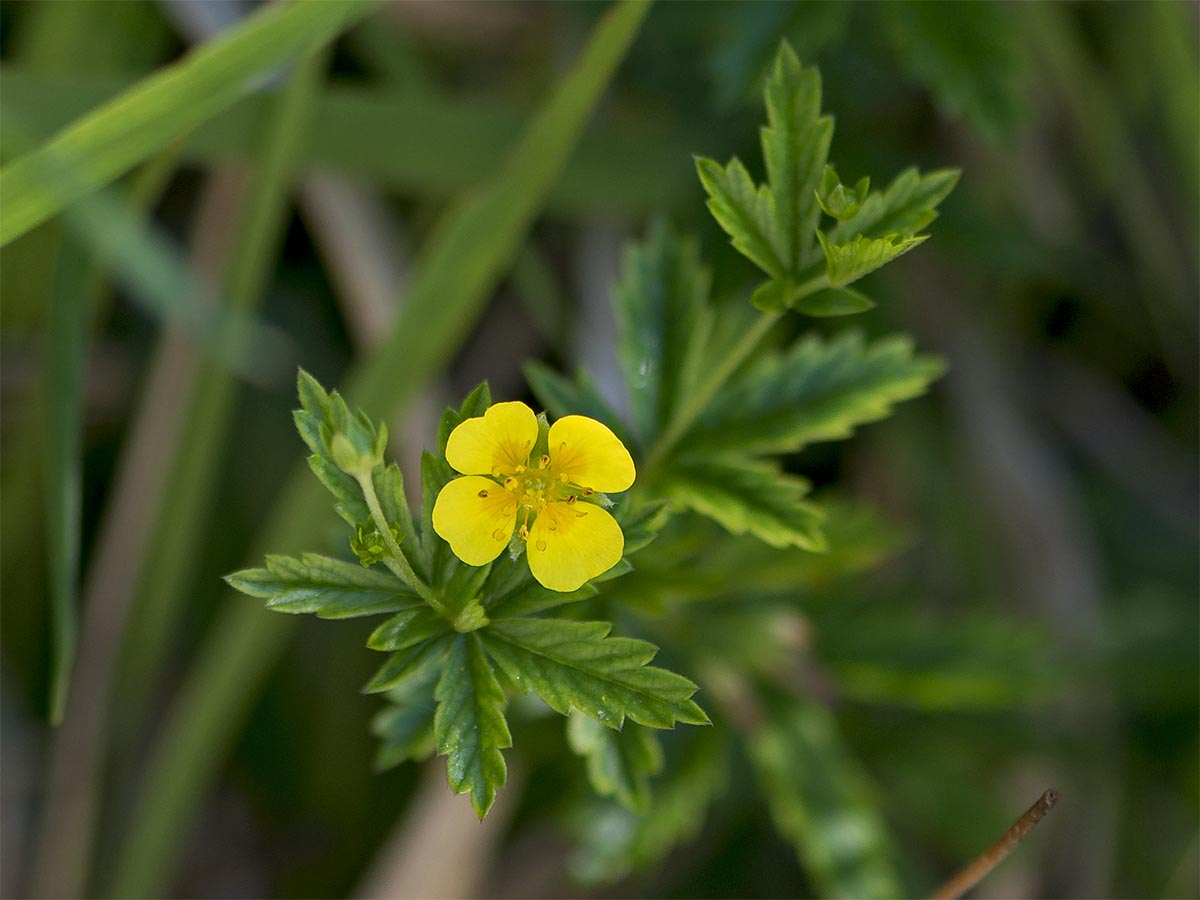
459, 265
109, 141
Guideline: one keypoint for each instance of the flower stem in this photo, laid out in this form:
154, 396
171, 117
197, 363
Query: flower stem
396, 561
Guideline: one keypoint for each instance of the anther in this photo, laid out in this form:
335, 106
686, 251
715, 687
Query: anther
587, 492
565, 479
543, 461
483, 493
541, 545
524, 533
510, 483
571, 500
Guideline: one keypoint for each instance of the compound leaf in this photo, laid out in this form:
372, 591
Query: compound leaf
619, 763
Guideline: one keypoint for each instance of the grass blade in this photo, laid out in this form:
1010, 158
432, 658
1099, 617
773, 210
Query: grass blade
246, 639
109, 141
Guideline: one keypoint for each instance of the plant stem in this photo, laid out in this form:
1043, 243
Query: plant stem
985, 862
699, 398
395, 560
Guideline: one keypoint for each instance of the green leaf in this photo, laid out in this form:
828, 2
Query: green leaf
640, 523
664, 321
106, 143
906, 206
615, 841
469, 727
833, 302
576, 665
795, 146
744, 211
846, 263
407, 629
405, 731
817, 391
408, 666
389, 488
820, 801
331, 588
745, 495
619, 763
968, 56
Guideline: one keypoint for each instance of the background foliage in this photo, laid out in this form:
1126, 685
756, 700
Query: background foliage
1009, 600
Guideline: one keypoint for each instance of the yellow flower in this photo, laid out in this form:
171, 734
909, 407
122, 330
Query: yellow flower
568, 539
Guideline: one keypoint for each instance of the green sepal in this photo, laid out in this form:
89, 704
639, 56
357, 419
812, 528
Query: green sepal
330, 588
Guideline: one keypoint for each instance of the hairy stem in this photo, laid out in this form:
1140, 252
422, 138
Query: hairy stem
396, 561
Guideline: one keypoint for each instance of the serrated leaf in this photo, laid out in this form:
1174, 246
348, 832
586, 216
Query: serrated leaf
407, 629
641, 524
469, 727
389, 488
533, 598
331, 588
410, 664
405, 731
615, 841
907, 205
576, 665
967, 54
562, 396
817, 391
744, 495
821, 803
619, 763
663, 321
795, 146
848, 262
744, 211
833, 302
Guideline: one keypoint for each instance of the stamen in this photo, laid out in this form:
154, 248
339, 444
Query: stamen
520, 469
543, 461
571, 500
495, 471
565, 479
483, 493
587, 492
510, 483
524, 533
541, 545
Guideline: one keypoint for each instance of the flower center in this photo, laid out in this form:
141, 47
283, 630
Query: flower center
533, 487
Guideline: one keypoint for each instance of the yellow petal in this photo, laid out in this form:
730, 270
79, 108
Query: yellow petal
496, 443
572, 543
589, 454
475, 516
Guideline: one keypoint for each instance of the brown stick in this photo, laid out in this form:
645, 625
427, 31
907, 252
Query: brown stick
988, 860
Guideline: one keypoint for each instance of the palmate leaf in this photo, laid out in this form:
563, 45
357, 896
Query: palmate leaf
745, 495
664, 319
619, 763
744, 211
405, 725
331, 588
821, 802
469, 726
576, 665
817, 391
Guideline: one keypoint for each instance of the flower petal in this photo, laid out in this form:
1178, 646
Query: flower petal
475, 516
496, 443
572, 543
589, 454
